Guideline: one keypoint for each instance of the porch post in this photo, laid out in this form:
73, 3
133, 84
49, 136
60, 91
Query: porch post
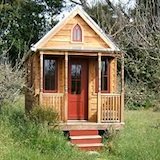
122, 89
66, 88
99, 89
41, 78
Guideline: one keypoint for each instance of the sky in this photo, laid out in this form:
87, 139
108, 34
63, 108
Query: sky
126, 3
129, 3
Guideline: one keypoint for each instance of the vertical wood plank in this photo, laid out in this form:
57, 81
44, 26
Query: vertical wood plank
66, 87
113, 108
41, 79
99, 89
102, 108
116, 108
122, 90
107, 107
119, 107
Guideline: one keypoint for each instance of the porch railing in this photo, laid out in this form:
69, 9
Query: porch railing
54, 101
110, 107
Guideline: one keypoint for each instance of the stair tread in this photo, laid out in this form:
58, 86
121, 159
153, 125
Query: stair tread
90, 145
86, 137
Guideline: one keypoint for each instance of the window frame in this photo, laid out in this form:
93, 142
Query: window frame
72, 34
108, 76
46, 57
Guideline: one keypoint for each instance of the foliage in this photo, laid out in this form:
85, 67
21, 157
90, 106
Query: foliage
40, 114
22, 23
11, 80
138, 96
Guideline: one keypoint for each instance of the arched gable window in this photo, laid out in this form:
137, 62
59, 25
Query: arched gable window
77, 33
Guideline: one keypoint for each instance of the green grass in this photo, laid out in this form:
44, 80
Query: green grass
21, 139
140, 138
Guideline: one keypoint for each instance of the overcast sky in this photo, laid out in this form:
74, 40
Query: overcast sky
126, 3
123, 2
129, 3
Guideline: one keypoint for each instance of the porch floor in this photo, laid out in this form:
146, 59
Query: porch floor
85, 125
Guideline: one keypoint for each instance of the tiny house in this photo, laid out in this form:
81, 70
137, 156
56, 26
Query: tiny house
73, 69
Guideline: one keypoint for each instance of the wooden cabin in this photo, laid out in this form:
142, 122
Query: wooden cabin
73, 69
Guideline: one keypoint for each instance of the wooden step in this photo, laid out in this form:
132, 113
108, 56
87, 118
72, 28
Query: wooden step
83, 132
90, 147
88, 140
85, 139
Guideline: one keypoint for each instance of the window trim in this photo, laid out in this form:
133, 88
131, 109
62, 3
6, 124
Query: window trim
72, 36
56, 74
108, 76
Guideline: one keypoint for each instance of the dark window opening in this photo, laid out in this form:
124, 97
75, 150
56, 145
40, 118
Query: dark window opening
104, 75
76, 78
77, 33
50, 74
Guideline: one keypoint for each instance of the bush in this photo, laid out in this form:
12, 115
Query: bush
138, 96
40, 114
11, 80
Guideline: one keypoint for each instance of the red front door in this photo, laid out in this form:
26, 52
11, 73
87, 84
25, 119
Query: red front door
78, 89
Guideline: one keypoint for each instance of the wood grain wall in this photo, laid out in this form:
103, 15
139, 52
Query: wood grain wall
32, 81
92, 95
63, 38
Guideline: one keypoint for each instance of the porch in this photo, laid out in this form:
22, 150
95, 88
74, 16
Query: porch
106, 107
110, 113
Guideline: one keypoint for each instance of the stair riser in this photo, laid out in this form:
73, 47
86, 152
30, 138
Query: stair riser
86, 141
83, 132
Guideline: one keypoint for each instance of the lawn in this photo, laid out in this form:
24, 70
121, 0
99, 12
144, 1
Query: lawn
140, 138
21, 139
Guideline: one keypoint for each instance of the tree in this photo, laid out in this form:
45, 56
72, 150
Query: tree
23, 22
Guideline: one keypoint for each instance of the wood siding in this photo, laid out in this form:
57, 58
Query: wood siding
32, 81
92, 114
63, 38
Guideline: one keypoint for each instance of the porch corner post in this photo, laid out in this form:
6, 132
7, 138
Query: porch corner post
66, 88
41, 78
122, 89
99, 89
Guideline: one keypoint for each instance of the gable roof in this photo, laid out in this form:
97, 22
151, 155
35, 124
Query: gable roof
76, 11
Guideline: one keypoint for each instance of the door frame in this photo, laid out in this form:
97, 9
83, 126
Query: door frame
84, 60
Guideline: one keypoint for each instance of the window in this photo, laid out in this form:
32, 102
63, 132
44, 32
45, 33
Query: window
77, 34
76, 78
50, 74
104, 75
